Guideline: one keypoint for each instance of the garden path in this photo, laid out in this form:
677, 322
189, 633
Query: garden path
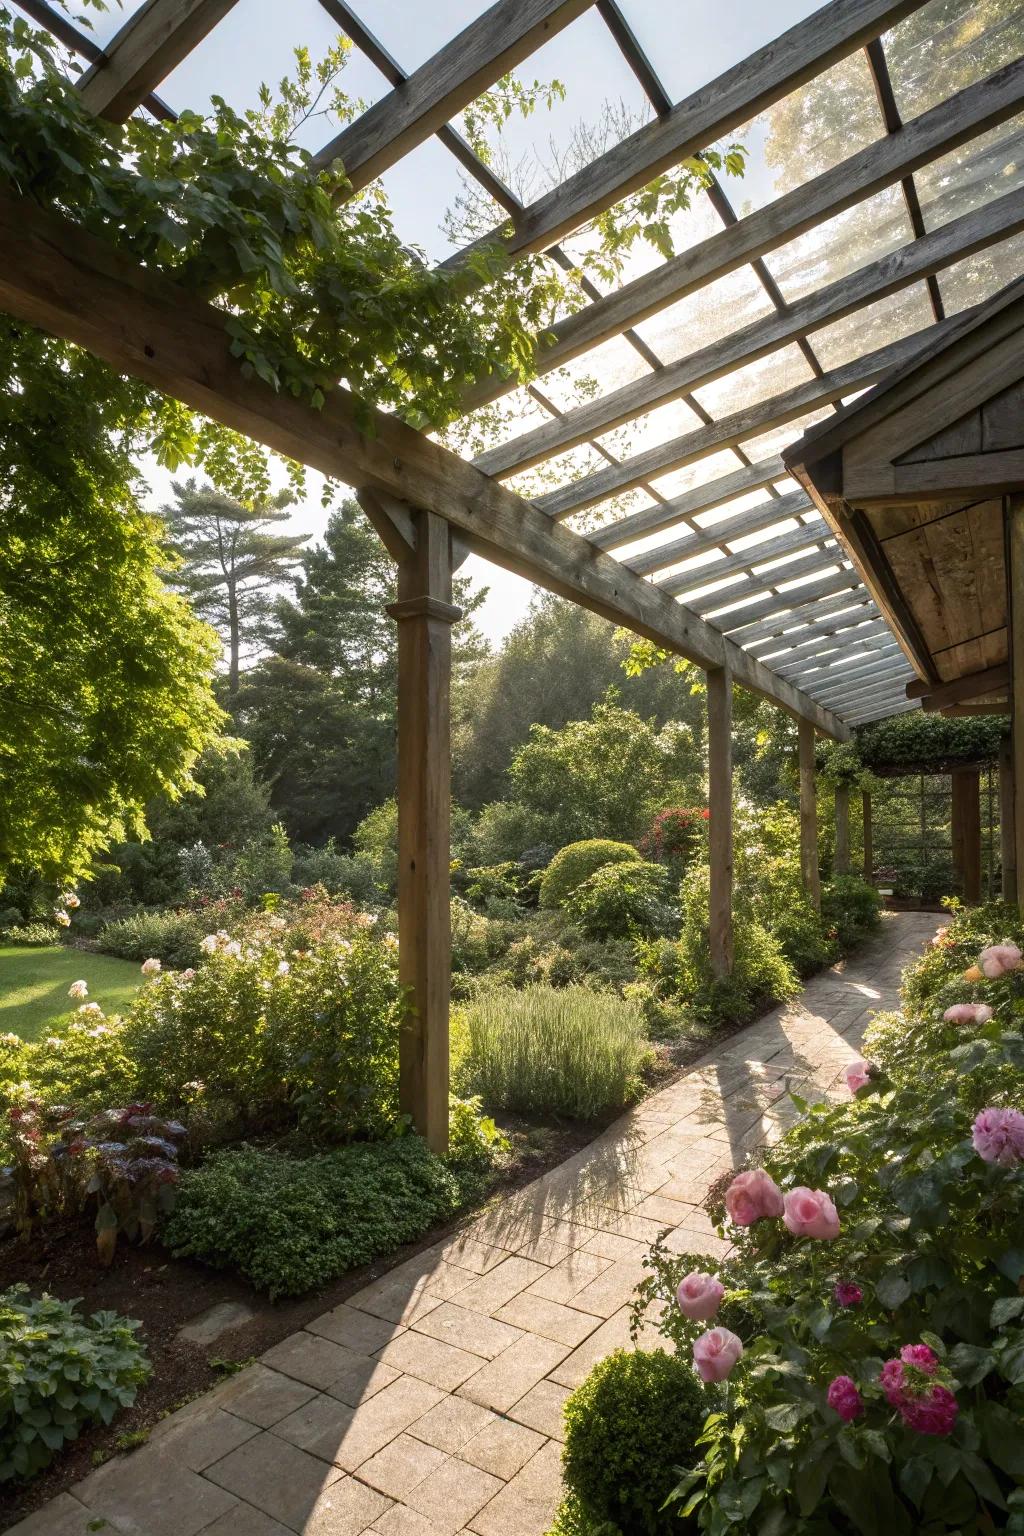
430, 1402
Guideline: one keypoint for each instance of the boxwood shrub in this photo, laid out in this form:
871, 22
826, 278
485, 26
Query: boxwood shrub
573, 864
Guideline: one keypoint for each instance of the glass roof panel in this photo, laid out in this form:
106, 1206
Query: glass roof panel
705, 316
980, 276
947, 44
759, 380
901, 314
841, 245
986, 168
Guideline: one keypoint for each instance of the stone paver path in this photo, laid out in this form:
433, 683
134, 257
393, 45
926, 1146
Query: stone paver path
430, 1402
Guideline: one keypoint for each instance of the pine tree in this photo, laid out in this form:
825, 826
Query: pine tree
231, 561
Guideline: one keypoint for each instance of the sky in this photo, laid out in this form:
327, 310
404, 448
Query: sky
690, 41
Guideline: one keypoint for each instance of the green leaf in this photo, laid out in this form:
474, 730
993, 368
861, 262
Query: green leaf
1006, 1308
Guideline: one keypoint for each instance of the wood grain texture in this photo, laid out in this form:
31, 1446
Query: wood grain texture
55, 276
720, 841
808, 814
1015, 617
966, 824
151, 43
842, 796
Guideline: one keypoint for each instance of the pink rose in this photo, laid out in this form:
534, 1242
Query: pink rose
847, 1294
933, 1413
858, 1073
753, 1196
715, 1353
844, 1398
699, 1296
999, 1136
999, 959
968, 1013
920, 1357
810, 1213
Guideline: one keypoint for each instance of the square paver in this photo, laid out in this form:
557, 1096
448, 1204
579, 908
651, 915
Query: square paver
346, 1508
613, 1289
243, 1520
201, 1435
570, 1275
355, 1329
451, 1423
452, 1495
431, 1360
351, 1440
500, 1284
552, 1320
612, 1334
504, 1380
62, 1516
151, 1494
401, 1465
282, 1481
400, 1520
468, 1253
320, 1426
502, 1448
310, 1358
541, 1409
400, 1300
474, 1331
261, 1396
361, 1378
525, 1506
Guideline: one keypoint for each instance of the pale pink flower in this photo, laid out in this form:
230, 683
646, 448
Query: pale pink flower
699, 1296
187, 975
91, 1011
999, 959
753, 1196
233, 948
858, 1074
78, 989
999, 1136
209, 944
69, 899
810, 1213
715, 1353
151, 967
968, 1013
62, 919
940, 936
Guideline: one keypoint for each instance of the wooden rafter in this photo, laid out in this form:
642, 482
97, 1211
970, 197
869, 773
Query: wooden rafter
55, 276
150, 44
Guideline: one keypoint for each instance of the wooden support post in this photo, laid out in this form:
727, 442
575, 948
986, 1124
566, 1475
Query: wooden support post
425, 615
842, 830
720, 817
1015, 615
1007, 841
967, 831
808, 815
869, 852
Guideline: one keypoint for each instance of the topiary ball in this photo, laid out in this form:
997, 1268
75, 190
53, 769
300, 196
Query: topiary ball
573, 864
628, 1428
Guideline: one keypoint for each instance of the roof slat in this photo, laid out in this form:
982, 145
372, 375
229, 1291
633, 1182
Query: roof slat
149, 45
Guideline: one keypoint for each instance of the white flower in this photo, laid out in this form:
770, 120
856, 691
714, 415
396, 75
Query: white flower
10, 1038
390, 941
94, 1034
91, 1011
277, 922
53, 1042
78, 989
151, 967
223, 935
234, 949
69, 899
186, 975
209, 944
62, 918
283, 968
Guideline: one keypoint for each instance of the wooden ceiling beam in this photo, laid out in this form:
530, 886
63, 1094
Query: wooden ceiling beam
765, 583
972, 232
458, 73
774, 614
976, 109
972, 686
56, 276
764, 515
795, 541
150, 44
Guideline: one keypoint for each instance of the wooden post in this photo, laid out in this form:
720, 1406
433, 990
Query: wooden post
966, 828
720, 819
808, 814
425, 615
869, 852
1007, 842
842, 829
1015, 620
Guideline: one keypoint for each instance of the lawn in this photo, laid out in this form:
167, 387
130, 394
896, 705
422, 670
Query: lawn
34, 985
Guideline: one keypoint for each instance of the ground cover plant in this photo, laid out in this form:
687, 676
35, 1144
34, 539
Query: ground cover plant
871, 1324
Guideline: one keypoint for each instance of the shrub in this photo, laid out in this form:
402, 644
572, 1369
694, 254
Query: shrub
507, 830
11, 917
577, 862
82, 1063
291, 1224
58, 1373
622, 900
36, 934
172, 937
548, 1051
770, 892
635, 1418
264, 864
850, 906
496, 888
676, 836
476, 939
761, 974
340, 874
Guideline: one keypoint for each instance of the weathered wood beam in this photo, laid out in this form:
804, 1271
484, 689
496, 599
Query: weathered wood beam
966, 829
876, 711
765, 515
766, 582
943, 128
869, 853
1007, 839
792, 611
842, 860
801, 540
971, 711
55, 276
1014, 510
720, 841
151, 43
77, 41
686, 508
842, 681
962, 237
972, 686
767, 75
808, 814
458, 73
824, 655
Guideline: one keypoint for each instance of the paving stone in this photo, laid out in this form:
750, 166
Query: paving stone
197, 1439
506, 1379
346, 1508
355, 1329
502, 1448
612, 1334
261, 1396
610, 1245
151, 1494
431, 1360
493, 1289
525, 1506
451, 1423
541, 1409
320, 1426
545, 1249
446, 1280
348, 1437
279, 1479
310, 1358
552, 1320
468, 1330
362, 1378
401, 1465
396, 1301
612, 1289
469, 1253
244, 1520
569, 1276
217, 1320
62, 1516
400, 1520
452, 1495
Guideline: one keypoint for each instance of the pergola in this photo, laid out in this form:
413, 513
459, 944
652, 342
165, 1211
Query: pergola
738, 572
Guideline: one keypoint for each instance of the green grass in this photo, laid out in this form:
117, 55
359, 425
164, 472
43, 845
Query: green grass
34, 986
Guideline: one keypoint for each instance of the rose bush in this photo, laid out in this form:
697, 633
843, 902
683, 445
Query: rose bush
877, 1381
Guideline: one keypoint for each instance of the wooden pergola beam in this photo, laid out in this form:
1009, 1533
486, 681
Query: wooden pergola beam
458, 73
149, 45
972, 686
755, 520
952, 242
56, 276
736, 96
943, 128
